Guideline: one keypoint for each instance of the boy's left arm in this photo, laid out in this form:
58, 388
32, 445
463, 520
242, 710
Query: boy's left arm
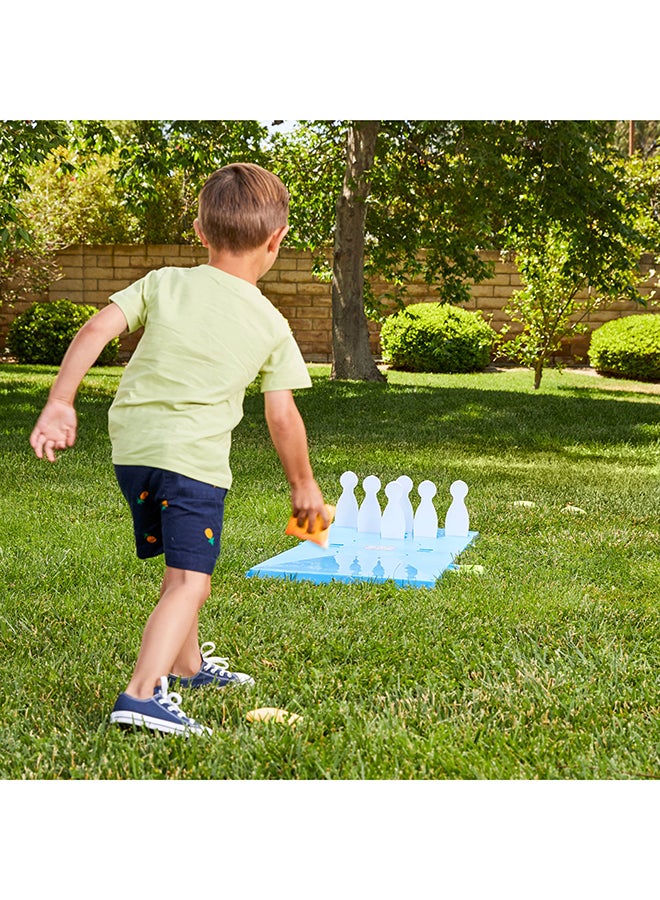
289, 437
56, 427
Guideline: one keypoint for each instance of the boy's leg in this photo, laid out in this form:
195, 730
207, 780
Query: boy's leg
191, 669
182, 518
188, 658
182, 596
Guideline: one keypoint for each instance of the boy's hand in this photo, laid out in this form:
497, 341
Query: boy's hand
307, 503
55, 429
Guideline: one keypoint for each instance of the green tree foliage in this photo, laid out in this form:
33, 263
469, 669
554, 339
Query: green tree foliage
576, 229
422, 211
28, 239
547, 308
555, 195
162, 165
25, 144
22, 144
103, 182
643, 175
644, 137
426, 211
311, 162
72, 205
429, 209
141, 184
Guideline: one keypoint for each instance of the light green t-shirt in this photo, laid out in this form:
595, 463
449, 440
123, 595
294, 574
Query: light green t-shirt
207, 336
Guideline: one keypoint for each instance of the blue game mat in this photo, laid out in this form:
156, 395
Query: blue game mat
360, 556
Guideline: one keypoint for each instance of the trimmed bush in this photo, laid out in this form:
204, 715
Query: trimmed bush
628, 348
436, 337
42, 333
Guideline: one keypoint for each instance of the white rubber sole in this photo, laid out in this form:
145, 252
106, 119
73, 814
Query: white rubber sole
133, 718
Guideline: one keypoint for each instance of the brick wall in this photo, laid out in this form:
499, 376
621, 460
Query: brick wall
91, 274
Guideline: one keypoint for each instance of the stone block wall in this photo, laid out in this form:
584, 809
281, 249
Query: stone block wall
91, 274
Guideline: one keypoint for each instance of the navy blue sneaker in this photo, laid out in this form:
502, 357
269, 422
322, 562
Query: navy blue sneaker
160, 713
213, 671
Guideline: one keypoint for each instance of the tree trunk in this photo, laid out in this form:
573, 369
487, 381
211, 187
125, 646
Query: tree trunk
351, 354
538, 372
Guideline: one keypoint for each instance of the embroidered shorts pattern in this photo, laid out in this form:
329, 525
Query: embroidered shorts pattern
174, 515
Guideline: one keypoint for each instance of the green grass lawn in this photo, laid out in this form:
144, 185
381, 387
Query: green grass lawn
545, 666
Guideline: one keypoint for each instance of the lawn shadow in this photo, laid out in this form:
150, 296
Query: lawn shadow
486, 420
364, 414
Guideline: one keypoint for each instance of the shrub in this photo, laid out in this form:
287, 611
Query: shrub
42, 333
628, 348
436, 337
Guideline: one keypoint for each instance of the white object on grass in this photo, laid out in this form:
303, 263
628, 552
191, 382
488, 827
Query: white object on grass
425, 523
393, 522
457, 520
346, 514
273, 714
407, 483
369, 511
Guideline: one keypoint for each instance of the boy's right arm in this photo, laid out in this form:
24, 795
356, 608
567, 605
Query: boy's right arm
56, 426
287, 431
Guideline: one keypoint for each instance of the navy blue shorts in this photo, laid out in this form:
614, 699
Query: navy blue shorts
174, 515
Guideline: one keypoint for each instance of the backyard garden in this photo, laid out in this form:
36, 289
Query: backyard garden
536, 659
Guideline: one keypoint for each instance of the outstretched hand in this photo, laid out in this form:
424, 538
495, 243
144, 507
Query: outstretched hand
55, 429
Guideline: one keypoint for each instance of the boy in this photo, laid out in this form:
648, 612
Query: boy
208, 333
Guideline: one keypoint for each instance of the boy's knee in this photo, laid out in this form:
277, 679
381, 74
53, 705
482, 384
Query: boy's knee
194, 583
205, 592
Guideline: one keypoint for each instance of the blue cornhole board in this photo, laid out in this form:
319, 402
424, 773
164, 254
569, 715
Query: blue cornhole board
360, 556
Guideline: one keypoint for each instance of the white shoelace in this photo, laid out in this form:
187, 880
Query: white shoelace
219, 661
170, 699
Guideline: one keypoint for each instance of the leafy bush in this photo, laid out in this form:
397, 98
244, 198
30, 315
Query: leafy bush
436, 337
42, 333
628, 348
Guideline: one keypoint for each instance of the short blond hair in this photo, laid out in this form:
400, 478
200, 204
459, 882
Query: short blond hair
240, 206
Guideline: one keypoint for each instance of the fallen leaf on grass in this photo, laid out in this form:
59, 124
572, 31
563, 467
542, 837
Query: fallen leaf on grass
273, 714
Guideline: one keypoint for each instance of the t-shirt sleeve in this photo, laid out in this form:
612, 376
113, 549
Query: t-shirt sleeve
285, 368
133, 302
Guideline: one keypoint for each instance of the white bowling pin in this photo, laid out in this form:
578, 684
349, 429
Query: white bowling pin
346, 513
369, 511
425, 523
393, 522
457, 520
406, 482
